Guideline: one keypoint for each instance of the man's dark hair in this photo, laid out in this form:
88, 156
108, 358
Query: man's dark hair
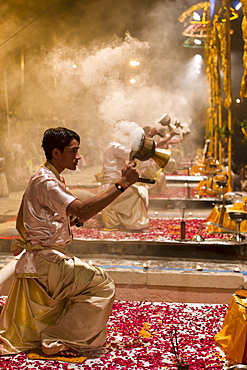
59, 138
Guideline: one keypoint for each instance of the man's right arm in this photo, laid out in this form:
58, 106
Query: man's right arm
90, 207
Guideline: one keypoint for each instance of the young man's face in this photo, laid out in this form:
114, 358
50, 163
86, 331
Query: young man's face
70, 156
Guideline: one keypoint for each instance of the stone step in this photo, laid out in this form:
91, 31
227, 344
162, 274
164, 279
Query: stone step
163, 279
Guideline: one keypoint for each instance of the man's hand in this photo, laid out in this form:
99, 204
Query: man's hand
16, 251
152, 132
129, 174
88, 208
176, 131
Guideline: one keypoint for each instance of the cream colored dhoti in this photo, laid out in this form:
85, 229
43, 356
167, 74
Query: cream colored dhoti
66, 306
129, 210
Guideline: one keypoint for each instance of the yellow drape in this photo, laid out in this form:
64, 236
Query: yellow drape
232, 337
243, 88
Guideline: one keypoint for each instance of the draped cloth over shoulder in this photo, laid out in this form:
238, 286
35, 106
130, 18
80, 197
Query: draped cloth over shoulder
55, 302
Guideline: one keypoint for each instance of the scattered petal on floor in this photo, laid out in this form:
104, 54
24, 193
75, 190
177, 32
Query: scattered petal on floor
138, 338
160, 229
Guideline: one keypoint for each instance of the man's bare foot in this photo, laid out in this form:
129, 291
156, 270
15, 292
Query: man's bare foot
69, 353
66, 353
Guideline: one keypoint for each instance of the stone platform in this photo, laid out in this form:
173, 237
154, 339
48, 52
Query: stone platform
170, 271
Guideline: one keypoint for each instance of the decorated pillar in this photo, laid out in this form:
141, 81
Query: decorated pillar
243, 87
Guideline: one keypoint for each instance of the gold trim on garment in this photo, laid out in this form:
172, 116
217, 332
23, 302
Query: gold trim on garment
52, 169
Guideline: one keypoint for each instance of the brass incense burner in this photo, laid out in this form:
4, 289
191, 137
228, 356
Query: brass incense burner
147, 150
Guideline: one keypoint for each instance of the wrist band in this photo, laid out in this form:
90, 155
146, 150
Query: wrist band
77, 223
120, 186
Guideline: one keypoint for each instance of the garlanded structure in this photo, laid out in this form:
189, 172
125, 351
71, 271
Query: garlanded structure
243, 89
209, 28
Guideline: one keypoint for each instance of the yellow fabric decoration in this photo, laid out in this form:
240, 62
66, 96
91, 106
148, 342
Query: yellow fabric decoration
215, 217
144, 332
232, 337
210, 187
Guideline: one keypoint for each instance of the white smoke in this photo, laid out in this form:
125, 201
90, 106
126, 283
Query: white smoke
76, 68
128, 133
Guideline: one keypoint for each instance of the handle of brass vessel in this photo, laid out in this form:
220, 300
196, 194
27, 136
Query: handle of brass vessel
150, 181
146, 180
